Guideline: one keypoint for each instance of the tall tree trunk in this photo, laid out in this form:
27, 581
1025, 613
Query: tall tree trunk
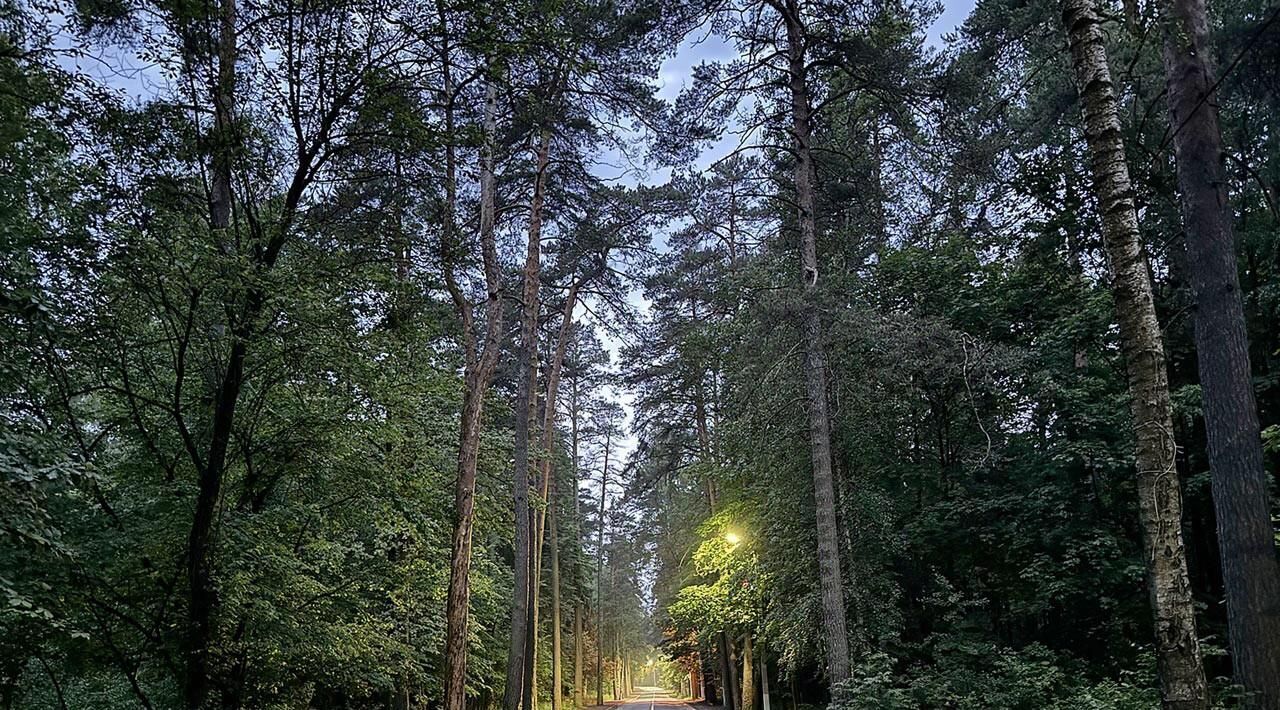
748, 675
726, 685
535, 579
1182, 680
481, 363
579, 689
556, 679
547, 516
1246, 537
732, 684
202, 597
579, 628
831, 579
764, 680
224, 139
517, 671
530, 679
604, 490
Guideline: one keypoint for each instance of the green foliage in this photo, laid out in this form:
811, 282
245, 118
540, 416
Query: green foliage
973, 675
981, 436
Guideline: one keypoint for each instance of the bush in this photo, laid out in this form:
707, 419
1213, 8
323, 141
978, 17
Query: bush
971, 675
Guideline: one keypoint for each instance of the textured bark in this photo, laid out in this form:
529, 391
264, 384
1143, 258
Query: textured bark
530, 668
815, 375
1246, 537
579, 659
517, 683
604, 489
557, 681
579, 689
733, 684
480, 365
726, 683
1182, 680
546, 516
553, 491
530, 691
764, 681
223, 136
748, 676
202, 596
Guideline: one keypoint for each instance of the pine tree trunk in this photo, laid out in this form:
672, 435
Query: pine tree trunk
579, 628
604, 489
579, 689
479, 373
530, 688
536, 527
1246, 537
831, 578
1182, 680
550, 484
556, 679
518, 668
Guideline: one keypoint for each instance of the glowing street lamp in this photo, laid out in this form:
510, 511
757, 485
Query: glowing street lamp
732, 538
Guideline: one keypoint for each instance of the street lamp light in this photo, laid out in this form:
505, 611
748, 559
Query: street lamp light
732, 538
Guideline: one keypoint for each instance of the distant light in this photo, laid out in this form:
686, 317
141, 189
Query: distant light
732, 538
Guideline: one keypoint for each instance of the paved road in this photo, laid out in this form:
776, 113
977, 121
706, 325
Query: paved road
652, 699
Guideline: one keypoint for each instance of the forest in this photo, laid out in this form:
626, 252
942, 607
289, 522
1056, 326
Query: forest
563, 354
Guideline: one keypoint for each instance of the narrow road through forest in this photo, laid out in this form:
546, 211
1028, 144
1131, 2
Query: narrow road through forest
651, 698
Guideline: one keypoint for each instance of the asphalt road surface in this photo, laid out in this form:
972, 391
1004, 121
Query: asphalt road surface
648, 698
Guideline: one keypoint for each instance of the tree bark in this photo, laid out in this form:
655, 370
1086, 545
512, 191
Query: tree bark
548, 440
732, 684
604, 489
1182, 680
1246, 537
547, 517
579, 691
726, 682
535, 572
556, 678
517, 672
579, 679
748, 675
224, 139
764, 681
480, 366
830, 576
202, 596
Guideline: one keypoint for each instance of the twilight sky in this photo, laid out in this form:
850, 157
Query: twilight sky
697, 48
120, 68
